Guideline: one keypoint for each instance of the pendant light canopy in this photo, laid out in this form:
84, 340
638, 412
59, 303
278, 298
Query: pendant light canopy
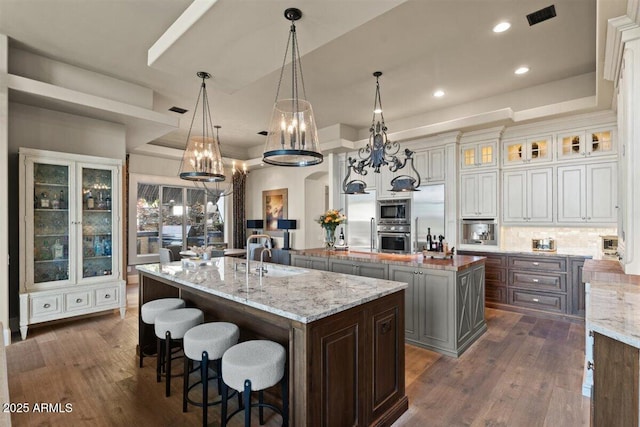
292, 138
202, 161
380, 152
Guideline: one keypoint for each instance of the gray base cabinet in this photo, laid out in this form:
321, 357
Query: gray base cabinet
313, 262
444, 310
364, 269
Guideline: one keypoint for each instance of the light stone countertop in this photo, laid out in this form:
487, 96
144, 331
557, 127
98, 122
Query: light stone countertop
614, 311
303, 295
455, 263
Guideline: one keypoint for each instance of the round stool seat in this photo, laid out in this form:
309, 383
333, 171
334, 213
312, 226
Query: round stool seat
151, 309
214, 338
177, 322
260, 361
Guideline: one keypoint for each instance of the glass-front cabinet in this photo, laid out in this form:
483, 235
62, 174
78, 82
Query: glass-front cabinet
580, 144
70, 236
478, 154
521, 152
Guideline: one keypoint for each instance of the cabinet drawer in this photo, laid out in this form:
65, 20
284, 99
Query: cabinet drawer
46, 305
541, 262
495, 276
495, 261
495, 294
77, 301
107, 296
554, 282
541, 301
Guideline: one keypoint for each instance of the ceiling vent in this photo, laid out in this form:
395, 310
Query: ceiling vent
178, 110
541, 15
263, 133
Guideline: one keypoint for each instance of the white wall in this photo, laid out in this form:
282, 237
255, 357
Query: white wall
296, 181
34, 127
4, 187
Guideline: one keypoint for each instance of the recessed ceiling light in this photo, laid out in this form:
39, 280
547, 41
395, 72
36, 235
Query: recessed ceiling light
439, 93
501, 27
522, 70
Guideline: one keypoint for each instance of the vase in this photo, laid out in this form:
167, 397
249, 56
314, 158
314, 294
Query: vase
330, 238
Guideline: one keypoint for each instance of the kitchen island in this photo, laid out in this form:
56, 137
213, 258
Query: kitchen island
444, 301
344, 334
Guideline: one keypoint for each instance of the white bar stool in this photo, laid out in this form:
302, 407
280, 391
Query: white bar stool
255, 366
170, 326
150, 310
205, 343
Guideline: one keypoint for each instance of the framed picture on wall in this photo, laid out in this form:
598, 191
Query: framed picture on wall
274, 207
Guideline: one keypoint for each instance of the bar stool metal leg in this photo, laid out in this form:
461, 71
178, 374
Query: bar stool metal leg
285, 399
247, 403
167, 357
204, 375
260, 407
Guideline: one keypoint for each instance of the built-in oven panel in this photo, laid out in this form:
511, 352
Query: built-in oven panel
394, 243
394, 211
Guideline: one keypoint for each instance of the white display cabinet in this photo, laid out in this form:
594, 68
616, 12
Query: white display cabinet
70, 236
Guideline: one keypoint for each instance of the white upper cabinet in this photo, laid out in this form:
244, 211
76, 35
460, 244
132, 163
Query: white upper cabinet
588, 193
585, 144
430, 165
479, 154
527, 196
479, 195
523, 152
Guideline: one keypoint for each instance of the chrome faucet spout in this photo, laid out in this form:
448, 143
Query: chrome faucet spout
261, 268
248, 256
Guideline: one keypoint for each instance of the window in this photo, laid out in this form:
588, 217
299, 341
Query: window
172, 216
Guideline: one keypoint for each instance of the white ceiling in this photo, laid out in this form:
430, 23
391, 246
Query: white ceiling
420, 45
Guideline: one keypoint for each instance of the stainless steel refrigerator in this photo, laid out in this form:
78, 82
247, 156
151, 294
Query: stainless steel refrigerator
360, 231
427, 211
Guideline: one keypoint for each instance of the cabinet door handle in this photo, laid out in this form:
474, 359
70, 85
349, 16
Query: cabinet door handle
583, 218
415, 272
420, 272
78, 300
536, 300
590, 333
47, 305
385, 327
591, 366
588, 218
535, 280
107, 296
536, 263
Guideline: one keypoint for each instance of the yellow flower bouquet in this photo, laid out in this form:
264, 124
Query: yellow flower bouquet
329, 221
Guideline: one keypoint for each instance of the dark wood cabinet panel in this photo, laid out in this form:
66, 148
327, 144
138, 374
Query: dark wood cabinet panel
577, 288
615, 383
496, 276
336, 363
538, 300
551, 282
496, 293
539, 262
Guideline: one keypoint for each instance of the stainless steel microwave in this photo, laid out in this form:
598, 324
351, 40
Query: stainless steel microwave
392, 212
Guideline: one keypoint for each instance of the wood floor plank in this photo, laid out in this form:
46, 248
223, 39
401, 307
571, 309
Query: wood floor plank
525, 371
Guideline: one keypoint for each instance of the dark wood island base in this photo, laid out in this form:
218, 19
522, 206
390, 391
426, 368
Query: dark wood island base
345, 369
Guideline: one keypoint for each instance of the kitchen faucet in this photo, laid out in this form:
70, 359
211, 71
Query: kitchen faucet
268, 248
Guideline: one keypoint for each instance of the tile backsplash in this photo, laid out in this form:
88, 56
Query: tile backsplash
569, 240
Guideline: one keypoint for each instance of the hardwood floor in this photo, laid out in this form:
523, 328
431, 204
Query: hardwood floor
524, 371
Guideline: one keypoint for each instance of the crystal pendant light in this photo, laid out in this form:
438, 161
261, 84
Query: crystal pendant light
292, 138
202, 161
380, 152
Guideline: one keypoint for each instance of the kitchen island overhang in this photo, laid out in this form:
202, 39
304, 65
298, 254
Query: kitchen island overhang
344, 334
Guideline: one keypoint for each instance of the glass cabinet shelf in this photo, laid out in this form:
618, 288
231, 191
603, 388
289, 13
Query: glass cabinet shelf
49, 261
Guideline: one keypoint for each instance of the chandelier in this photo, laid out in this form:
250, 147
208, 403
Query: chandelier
380, 152
202, 161
292, 138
